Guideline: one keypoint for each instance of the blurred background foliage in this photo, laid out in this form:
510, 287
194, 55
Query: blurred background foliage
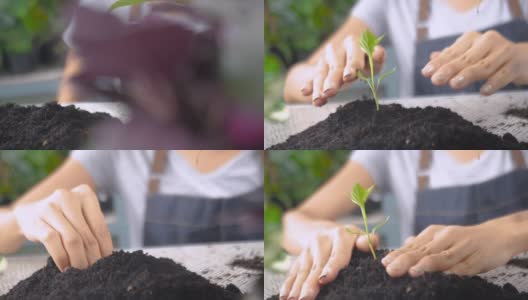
292, 30
19, 170
289, 178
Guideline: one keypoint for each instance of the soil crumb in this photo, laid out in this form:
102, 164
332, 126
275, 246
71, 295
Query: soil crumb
50, 126
255, 263
519, 262
366, 279
518, 112
122, 275
357, 125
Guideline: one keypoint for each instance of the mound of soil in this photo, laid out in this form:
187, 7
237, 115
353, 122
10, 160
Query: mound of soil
357, 125
51, 126
519, 263
366, 279
518, 112
122, 275
255, 263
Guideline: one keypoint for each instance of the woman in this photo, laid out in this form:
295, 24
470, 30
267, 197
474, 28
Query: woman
441, 45
468, 209
172, 197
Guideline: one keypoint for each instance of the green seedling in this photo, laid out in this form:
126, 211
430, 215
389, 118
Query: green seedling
122, 3
3, 264
367, 43
359, 196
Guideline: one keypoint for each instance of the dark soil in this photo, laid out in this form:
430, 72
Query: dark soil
255, 263
518, 112
519, 262
51, 126
357, 125
122, 275
367, 279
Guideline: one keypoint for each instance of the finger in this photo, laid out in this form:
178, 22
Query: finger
304, 269
461, 45
363, 244
441, 261
434, 55
409, 240
320, 250
307, 88
500, 79
71, 240
422, 239
288, 283
401, 265
355, 59
333, 80
53, 244
379, 58
342, 249
475, 56
321, 73
94, 216
73, 213
466, 267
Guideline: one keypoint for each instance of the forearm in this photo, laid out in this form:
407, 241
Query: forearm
523, 66
516, 227
10, 236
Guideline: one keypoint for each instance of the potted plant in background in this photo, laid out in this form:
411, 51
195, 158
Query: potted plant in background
23, 26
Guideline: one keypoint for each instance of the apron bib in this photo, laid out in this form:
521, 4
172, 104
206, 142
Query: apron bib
470, 204
515, 30
178, 219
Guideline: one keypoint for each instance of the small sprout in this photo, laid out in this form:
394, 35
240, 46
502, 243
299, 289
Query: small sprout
3, 264
122, 3
359, 196
367, 43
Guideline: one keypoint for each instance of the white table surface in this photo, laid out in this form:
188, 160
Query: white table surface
487, 112
209, 260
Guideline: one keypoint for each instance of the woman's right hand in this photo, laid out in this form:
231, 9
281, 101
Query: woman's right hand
70, 224
337, 68
321, 260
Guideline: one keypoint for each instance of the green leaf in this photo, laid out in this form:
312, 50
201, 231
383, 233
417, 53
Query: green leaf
360, 195
361, 76
380, 225
368, 42
384, 75
122, 3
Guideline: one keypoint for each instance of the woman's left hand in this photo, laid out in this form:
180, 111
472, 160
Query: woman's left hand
462, 250
479, 56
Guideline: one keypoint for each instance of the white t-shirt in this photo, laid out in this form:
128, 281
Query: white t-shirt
397, 19
125, 173
395, 172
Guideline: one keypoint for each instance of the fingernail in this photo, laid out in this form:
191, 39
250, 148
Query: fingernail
306, 294
323, 276
393, 267
428, 69
487, 88
439, 77
291, 298
416, 271
385, 261
458, 80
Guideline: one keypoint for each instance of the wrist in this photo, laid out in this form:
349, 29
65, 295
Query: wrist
514, 236
522, 50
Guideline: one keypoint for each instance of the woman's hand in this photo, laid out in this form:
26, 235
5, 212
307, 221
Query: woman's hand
462, 250
475, 57
320, 262
338, 67
70, 224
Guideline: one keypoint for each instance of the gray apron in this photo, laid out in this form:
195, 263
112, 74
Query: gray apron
470, 204
177, 219
515, 30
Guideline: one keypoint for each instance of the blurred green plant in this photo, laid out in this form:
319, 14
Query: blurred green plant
26, 22
20, 170
292, 30
289, 178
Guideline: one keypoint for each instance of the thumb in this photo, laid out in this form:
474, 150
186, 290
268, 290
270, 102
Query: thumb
362, 242
379, 58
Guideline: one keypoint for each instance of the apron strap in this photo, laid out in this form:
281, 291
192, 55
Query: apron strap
426, 158
424, 12
518, 159
157, 168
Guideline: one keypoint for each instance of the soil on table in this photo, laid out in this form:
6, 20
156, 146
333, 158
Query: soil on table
366, 279
357, 125
123, 275
255, 263
50, 126
519, 262
518, 112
